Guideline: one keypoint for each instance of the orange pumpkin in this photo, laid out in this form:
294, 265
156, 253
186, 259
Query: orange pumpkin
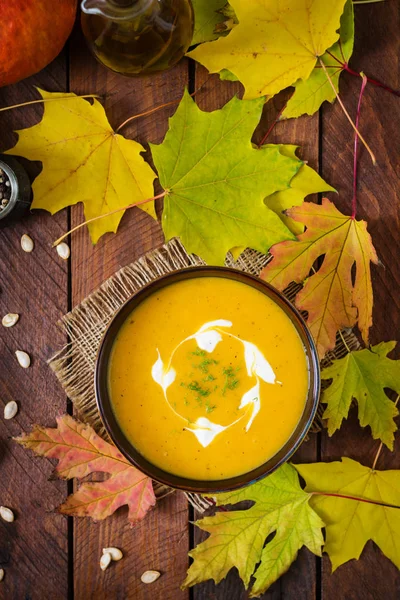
32, 33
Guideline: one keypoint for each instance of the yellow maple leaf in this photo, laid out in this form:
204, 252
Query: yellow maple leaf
350, 523
84, 160
275, 43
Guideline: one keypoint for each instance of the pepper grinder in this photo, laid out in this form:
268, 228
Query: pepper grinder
15, 190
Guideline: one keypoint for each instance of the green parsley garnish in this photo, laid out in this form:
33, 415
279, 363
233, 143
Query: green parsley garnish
198, 352
231, 382
209, 378
209, 407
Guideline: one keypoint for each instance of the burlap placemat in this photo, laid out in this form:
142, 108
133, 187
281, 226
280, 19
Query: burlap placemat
75, 363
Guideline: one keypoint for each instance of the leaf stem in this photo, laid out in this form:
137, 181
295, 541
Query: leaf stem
156, 108
147, 112
356, 498
274, 122
48, 100
366, 1
355, 157
113, 212
347, 114
370, 80
336, 58
346, 68
344, 342
377, 455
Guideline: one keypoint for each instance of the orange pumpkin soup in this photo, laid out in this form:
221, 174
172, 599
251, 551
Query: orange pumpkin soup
208, 378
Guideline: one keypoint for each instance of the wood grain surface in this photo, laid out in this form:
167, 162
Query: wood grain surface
44, 557
161, 541
33, 549
377, 52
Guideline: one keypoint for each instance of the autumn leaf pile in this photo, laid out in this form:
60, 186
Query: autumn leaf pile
354, 503
274, 45
220, 191
221, 194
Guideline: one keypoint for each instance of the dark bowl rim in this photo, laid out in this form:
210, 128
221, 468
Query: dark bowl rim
129, 451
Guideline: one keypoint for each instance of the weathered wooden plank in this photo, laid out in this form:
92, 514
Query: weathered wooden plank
377, 52
35, 286
161, 541
33, 549
301, 580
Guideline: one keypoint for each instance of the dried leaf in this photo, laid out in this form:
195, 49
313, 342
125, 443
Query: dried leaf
275, 43
84, 161
332, 300
350, 524
80, 452
364, 375
238, 537
216, 181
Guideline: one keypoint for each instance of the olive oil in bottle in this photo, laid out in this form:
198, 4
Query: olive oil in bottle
138, 37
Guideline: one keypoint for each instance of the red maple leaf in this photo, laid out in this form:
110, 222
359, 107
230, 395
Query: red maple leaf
80, 452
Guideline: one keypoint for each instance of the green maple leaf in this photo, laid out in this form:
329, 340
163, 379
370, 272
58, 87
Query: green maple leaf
351, 523
216, 182
274, 44
238, 537
305, 182
206, 18
364, 375
310, 93
226, 75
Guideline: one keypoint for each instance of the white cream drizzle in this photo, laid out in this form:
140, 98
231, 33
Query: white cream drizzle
207, 338
161, 376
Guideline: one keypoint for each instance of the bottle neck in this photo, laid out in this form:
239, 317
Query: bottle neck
118, 10
124, 3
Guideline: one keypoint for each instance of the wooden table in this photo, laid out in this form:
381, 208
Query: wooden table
48, 556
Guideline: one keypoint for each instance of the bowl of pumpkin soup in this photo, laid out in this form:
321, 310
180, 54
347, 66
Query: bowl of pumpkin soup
207, 379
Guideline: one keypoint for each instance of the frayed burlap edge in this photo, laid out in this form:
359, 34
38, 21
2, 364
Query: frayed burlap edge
85, 325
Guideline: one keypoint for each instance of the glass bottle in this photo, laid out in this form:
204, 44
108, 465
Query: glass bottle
138, 37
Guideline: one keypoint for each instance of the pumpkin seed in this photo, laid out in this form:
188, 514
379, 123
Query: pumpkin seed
105, 561
6, 514
116, 553
27, 244
10, 409
23, 358
9, 320
150, 576
63, 250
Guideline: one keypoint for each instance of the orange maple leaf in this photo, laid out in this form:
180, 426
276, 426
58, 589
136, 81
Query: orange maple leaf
330, 297
80, 452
